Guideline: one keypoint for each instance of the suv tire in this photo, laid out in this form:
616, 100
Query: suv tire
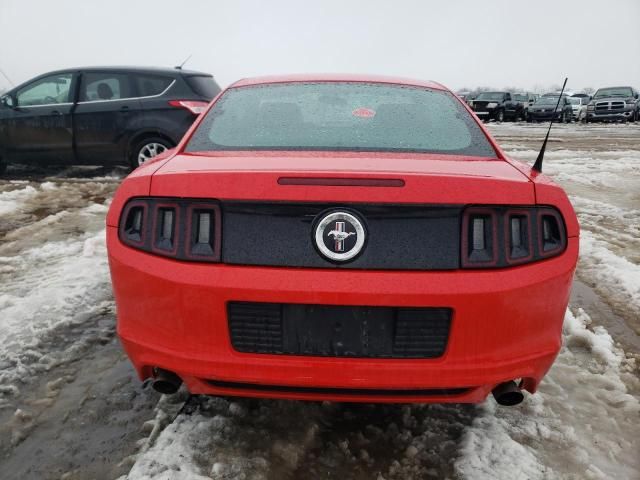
500, 116
147, 148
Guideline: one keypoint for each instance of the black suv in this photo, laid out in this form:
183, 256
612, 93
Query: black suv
101, 115
497, 106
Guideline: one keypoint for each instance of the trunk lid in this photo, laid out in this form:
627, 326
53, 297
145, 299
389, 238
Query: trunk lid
413, 178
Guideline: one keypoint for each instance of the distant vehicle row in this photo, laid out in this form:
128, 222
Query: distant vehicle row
607, 104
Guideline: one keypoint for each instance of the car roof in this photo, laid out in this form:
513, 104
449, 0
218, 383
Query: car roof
337, 78
115, 68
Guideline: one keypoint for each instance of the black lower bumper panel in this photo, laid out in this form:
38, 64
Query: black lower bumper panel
374, 392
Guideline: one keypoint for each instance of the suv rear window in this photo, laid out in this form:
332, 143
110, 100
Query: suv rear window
150, 85
350, 116
202, 85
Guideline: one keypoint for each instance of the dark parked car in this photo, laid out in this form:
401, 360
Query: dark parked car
497, 106
99, 116
545, 107
614, 103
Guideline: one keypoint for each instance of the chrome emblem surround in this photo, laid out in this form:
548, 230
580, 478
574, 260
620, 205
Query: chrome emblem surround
334, 225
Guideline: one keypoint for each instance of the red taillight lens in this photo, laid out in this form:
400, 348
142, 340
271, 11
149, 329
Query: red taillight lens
551, 233
479, 238
203, 239
494, 237
182, 229
132, 223
193, 106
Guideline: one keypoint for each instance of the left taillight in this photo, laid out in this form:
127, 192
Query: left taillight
193, 106
183, 229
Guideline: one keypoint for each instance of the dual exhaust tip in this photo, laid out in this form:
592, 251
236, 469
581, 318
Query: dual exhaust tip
168, 383
165, 382
508, 394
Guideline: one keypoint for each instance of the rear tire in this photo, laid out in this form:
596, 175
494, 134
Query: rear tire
500, 116
147, 148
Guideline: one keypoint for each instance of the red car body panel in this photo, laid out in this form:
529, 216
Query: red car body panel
506, 322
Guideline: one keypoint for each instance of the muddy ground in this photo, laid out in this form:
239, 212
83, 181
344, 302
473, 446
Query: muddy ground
71, 406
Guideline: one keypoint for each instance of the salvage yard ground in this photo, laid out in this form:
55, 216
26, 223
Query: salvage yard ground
71, 407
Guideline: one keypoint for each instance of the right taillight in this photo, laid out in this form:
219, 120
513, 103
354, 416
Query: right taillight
498, 236
179, 228
194, 106
551, 233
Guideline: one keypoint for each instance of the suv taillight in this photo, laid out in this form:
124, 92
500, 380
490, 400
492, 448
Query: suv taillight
497, 236
179, 228
193, 106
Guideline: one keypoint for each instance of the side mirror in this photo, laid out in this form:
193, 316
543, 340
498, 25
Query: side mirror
7, 101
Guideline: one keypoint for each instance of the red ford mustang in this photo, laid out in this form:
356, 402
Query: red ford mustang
341, 238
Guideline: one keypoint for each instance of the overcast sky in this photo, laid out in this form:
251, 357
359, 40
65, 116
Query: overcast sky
460, 43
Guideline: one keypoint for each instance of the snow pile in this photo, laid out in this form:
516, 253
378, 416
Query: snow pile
11, 200
54, 282
582, 424
231, 440
616, 277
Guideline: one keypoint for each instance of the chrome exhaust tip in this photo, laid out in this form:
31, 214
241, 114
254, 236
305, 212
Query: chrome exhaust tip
508, 394
165, 382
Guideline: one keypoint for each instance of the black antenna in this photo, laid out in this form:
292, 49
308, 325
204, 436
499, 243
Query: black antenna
538, 165
179, 67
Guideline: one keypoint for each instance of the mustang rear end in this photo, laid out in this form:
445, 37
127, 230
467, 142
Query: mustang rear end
341, 238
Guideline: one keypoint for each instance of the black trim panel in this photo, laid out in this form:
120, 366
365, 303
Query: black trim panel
338, 330
376, 392
399, 237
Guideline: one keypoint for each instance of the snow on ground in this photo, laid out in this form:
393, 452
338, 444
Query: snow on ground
11, 199
53, 275
582, 424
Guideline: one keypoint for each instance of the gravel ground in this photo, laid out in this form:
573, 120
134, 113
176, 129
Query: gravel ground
71, 406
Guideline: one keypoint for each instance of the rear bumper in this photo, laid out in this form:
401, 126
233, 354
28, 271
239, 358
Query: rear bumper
506, 324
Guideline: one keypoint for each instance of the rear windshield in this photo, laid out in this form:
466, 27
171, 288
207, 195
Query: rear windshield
349, 116
202, 85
